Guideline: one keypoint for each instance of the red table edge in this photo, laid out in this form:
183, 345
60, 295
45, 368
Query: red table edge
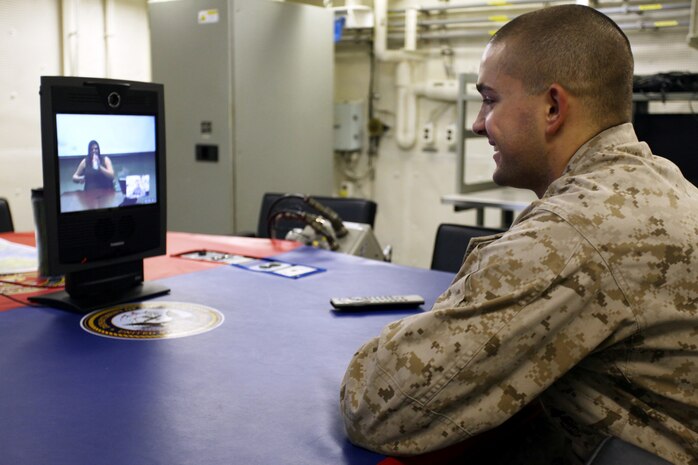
170, 264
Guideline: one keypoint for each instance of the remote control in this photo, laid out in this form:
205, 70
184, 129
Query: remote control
377, 302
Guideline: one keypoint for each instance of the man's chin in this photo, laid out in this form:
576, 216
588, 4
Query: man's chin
504, 180
500, 178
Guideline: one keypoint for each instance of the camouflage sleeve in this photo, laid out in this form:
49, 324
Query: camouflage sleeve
515, 319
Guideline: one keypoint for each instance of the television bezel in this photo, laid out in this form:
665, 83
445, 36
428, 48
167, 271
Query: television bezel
116, 97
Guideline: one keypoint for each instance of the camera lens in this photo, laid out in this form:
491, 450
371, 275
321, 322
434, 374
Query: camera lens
114, 100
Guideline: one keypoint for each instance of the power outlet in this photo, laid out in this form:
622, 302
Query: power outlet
428, 134
451, 136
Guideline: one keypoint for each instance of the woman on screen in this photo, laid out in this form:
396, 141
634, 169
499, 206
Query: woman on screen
95, 170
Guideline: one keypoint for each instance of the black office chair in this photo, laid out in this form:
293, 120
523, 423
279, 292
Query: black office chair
349, 209
6, 224
613, 451
452, 241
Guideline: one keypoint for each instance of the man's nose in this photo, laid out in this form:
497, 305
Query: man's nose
479, 125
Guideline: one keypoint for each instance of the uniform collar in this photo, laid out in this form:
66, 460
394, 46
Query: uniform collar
592, 153
604, 141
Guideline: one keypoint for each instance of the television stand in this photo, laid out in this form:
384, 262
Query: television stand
102, 287
63, 301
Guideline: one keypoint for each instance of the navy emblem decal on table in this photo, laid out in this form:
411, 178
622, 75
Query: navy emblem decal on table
152, 320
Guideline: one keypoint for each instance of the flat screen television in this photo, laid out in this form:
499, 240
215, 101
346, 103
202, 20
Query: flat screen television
104, 201
673, 136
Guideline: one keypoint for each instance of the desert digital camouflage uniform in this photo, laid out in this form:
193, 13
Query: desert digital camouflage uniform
588, 303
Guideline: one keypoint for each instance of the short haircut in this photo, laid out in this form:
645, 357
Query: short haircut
578, 48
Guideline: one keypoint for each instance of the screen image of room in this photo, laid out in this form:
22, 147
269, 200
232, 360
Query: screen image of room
128, 141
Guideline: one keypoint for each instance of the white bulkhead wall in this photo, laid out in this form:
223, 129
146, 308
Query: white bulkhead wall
110, 38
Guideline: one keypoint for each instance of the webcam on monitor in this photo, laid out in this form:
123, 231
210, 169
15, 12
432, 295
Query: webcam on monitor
103, 157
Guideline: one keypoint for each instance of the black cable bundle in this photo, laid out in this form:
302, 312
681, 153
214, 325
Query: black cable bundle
298, 213
674, 81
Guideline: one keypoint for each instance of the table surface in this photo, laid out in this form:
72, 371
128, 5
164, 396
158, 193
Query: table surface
159, 267
262, 388
90, 199
505, 198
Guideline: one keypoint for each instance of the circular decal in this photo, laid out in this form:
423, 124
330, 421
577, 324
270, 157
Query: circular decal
152, 320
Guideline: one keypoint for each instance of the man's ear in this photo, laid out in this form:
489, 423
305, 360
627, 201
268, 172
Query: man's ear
557, 99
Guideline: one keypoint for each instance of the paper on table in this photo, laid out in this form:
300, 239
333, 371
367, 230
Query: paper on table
17, 258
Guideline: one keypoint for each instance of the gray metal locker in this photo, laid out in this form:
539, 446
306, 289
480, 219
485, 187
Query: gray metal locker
249, 106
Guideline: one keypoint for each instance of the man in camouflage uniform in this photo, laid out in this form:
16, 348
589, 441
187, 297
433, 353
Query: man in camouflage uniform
588, 305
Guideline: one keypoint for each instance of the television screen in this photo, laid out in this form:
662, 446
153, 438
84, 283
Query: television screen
105, 161
103, 157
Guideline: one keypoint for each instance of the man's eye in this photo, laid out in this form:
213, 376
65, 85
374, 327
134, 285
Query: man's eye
487, 101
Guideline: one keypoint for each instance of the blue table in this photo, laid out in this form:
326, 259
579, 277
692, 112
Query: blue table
262, 388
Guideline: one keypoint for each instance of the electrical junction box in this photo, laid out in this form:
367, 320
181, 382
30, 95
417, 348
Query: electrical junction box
348, 126
356, 16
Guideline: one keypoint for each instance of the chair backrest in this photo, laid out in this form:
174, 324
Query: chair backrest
452, 241
6, 224
614, 451
349, 209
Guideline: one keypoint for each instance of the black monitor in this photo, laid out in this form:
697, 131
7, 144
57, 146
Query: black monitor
673, 136
103, 144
